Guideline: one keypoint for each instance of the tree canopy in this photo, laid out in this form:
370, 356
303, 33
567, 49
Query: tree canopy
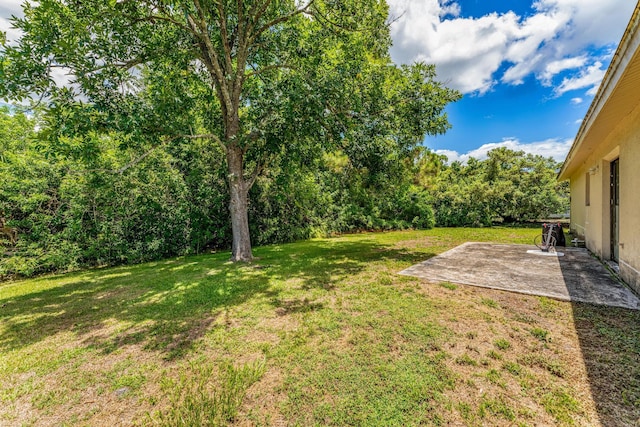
509, 186
72, 211
264, 83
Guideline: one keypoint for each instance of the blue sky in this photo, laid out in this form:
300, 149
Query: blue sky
528, 69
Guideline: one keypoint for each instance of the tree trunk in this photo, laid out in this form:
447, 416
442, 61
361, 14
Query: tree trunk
238, 206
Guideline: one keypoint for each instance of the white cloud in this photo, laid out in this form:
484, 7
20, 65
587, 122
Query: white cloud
10, 8
449, 7
555, 148
469, 52
587, 78
577, 101
555, 67
63, 76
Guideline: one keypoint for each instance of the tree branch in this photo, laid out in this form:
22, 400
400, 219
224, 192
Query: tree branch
243, 49
224, 35
257, 171
122, 65
240, 27
268, 68
259, 13
138, 159
146, 154
130, 164
211, 59
211, 136
153, 18
320, 17
280, 19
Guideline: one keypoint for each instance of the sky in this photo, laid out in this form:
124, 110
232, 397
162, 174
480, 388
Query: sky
528, 69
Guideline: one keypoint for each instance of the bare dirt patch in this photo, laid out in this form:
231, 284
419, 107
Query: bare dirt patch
424, 242
262, 403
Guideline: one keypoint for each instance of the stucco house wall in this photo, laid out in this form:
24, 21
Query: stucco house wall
611, 131
630, 209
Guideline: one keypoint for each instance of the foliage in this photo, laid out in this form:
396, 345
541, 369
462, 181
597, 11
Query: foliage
261, 80
74, 211
141, 155
69, 213
374, 196
114, 207
509, 186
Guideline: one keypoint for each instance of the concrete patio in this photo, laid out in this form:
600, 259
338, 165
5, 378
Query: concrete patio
576, 276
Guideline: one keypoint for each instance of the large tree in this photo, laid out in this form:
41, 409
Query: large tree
262, 79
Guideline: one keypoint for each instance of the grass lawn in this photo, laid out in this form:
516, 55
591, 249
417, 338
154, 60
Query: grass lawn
322, 332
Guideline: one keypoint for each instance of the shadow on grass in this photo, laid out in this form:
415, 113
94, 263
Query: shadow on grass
609, 337
609, 340
610, 345
167, 306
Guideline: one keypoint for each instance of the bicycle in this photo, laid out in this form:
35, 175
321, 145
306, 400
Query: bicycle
546, 242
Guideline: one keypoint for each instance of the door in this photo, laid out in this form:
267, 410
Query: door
615, 209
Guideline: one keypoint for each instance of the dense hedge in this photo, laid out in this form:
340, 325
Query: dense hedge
74, 211
114, 207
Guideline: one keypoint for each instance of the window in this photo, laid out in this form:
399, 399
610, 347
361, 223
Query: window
587, 189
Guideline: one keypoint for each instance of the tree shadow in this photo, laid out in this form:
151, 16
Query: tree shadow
165, 306
168, 306
319, 264
609, 336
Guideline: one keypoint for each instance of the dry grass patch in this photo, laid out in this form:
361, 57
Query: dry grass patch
508, 372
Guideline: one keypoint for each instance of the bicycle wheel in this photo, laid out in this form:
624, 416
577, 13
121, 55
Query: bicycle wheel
543, 245
538, 241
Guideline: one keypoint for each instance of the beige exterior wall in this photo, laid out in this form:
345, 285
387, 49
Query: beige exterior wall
578, 203
630, 204
610, 131
594, 221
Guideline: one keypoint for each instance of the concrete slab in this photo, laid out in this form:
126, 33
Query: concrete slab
576, 276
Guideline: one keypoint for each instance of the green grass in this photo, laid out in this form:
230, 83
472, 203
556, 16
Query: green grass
499, 407
546, 362
561, 405
541, 334
490, 303
321, 332
494, 355
448, 285
512, 368
199, 397
465, 359
502, 344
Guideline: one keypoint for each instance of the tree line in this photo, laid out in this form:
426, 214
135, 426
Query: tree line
167, 127
72, 211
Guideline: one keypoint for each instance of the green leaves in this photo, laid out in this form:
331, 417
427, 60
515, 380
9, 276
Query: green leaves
271, 82
508, 186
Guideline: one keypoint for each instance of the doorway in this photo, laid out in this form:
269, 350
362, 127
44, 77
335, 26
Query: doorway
615, 209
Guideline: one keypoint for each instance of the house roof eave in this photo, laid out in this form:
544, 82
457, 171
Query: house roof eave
624, 54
